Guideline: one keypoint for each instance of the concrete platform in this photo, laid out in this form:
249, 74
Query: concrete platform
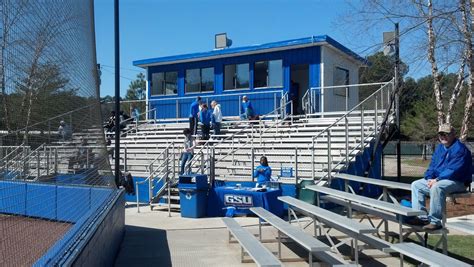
154, 239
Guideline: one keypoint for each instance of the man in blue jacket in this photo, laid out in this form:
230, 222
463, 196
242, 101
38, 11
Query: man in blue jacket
246, 109
193, 115
449, 172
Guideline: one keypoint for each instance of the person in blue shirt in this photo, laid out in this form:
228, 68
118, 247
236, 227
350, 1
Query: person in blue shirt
246, 109
449, 172
263, 173
205, 118
193, 115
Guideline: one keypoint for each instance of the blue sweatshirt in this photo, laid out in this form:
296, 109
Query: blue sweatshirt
244, 106
205, 117
452, 163
194, 109
263, 176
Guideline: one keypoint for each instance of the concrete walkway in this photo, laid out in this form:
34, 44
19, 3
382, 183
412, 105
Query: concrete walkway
154, 239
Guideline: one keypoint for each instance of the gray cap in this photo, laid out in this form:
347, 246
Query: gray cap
445, 128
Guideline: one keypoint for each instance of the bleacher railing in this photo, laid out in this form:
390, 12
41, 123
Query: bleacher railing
378, 101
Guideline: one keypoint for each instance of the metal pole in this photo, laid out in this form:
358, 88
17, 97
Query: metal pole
347, 139
312, 161
296, 165
329, 157
252, 159
397, 100
117, 90
362, 128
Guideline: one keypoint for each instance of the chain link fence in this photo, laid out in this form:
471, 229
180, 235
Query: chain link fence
53, 159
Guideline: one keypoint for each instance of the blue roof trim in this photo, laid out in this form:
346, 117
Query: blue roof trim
251, 48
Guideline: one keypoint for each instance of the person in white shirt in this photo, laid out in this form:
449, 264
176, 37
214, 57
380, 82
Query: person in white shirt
216, 117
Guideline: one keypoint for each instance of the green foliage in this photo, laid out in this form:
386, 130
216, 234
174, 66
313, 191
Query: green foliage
420, 124
137, 89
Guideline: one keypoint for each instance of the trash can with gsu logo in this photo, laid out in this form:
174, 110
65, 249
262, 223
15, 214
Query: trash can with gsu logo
193, 189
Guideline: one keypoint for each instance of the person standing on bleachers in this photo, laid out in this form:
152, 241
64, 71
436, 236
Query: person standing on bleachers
216, 117
64, 131
188, 151
449, 172
193, 115
205, 118
263, 173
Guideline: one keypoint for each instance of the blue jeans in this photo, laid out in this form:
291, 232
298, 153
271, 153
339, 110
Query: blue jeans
217, 128
184, 158
437, 193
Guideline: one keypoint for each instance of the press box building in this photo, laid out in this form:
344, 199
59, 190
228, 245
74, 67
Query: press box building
268, 74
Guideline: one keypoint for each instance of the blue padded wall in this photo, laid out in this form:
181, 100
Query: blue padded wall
73, 202
41, 201
13, 200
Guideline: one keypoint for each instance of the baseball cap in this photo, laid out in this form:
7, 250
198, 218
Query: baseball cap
445, 128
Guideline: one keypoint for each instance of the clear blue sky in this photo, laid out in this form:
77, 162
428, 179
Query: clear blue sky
155, 28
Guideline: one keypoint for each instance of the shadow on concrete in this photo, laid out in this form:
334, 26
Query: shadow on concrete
143, 247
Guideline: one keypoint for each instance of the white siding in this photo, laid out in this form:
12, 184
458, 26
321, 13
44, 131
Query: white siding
331, 59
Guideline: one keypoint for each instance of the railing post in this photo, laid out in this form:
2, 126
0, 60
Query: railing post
296, 165
154, 116
168, 180
275, 104
49, 132
46, 154
138, 198
202, 162
312, 160
252, 163
362, 129
329, 158
55, 160
125, 156
291, 113
376, 123
38, 171
347, 98
347, 139
212, 171
177, 110
174, 162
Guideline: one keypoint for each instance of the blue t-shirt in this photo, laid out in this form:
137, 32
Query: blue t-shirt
452, 163
264, 175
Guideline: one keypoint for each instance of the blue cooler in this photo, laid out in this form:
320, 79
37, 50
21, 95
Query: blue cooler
193, 189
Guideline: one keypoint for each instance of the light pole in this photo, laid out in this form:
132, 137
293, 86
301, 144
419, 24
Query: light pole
397, 99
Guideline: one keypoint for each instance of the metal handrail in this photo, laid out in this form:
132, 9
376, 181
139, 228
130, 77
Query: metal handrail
159, 155
208, 142
327, 130
136, 124
353, 109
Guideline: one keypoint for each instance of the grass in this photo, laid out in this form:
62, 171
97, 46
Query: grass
416, 162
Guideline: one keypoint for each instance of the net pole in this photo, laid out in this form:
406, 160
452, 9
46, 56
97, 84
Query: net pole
117, 90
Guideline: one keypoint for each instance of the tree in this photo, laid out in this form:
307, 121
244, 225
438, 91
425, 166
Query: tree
440, 34
136, 91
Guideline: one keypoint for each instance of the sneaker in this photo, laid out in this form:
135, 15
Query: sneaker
432, 227
417, 221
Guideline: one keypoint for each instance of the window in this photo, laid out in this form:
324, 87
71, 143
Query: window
268, 73
164, 83
199, 80
236, 76
341, 77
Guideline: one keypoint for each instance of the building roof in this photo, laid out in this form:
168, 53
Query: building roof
251, 49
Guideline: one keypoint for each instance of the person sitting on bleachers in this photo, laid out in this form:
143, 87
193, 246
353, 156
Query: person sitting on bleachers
449, 172
83, 156
109, 125
263, 173
246, 109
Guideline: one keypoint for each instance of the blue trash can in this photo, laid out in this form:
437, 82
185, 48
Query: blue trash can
193, 189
